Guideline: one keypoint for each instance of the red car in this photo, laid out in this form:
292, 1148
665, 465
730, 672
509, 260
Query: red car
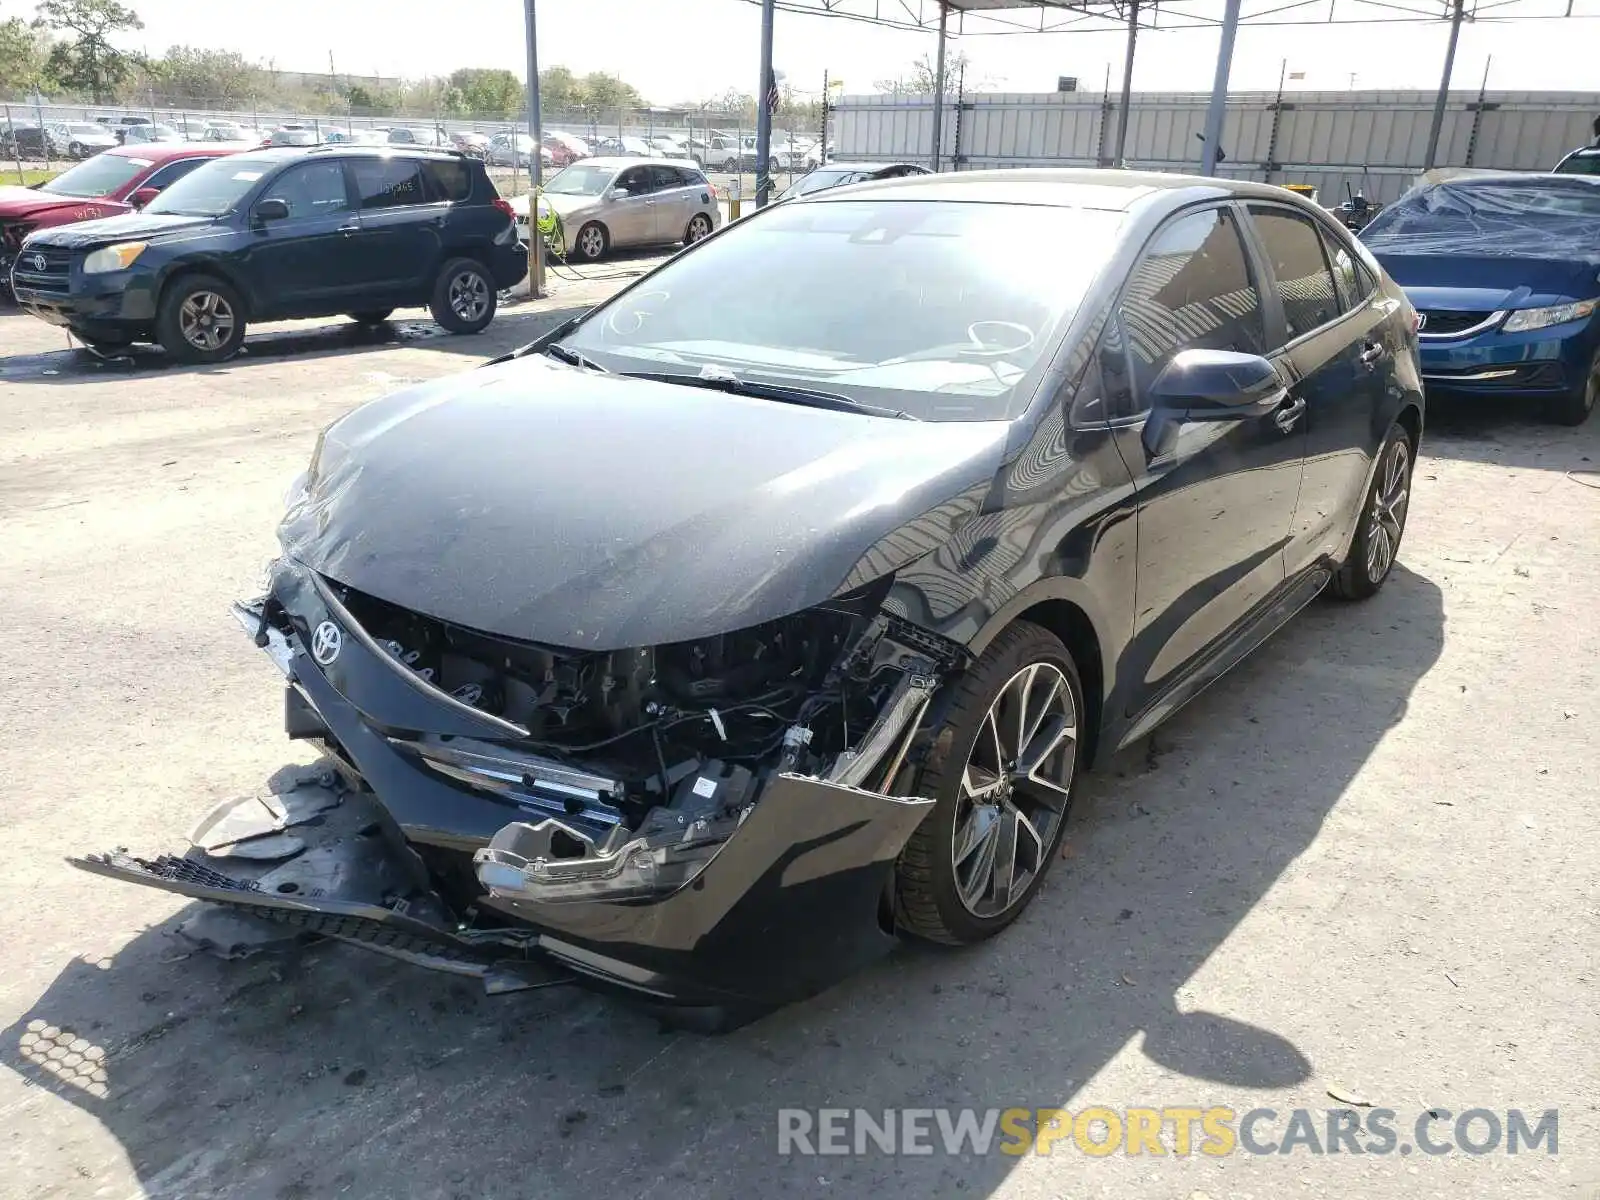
112, 182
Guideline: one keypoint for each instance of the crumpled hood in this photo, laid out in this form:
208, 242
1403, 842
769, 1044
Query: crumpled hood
27, 202
553, 504
127, 227
567, 205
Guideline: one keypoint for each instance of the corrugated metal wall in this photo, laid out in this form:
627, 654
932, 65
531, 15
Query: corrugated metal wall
1374, 141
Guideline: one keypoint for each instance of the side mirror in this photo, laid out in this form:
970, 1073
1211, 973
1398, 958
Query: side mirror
1217, 385
143, 196
271, 209
618, 194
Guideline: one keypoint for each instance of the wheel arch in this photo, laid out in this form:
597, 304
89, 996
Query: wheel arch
189, 268
1062, 607
1410, 419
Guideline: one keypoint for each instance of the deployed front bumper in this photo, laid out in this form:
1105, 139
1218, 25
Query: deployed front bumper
789, 899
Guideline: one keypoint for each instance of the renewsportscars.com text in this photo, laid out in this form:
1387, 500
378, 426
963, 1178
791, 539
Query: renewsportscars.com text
1178, 1131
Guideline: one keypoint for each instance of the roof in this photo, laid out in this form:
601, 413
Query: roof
356, 150
633, 160
158, 152
866, 166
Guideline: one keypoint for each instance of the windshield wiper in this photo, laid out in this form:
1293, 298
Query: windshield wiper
771, 391
572, 358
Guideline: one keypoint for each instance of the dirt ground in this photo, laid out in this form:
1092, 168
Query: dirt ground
1366, 862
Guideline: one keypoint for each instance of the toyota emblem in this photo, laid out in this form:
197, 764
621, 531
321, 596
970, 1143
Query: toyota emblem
1422, 321
40, 262
326, 642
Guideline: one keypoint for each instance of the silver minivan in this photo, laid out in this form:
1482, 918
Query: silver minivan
614, 202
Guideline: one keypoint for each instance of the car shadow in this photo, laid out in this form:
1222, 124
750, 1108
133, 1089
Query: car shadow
1510, 433
330, 1069
338, 337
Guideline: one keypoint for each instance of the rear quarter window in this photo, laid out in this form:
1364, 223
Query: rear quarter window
449, 180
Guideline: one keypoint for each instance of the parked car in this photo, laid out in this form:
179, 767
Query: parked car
820, 179
280, 233
627, 146
296, 137
1504, 271
563, 147
470, 142
227, 131
139, 135
117, 181
355, 137
119, 126
415, 135
1580, 162
876, 570
607, 203
516, 150
720, 154
81, 139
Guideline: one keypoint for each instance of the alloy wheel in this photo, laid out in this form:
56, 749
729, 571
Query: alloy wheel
206, 321
1387, 519
591, 242
469, 295
1014, 790
699, 227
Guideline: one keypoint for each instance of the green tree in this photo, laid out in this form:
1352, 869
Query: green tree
206, 78
23, 54
559, 89
87, 61
373, 102
600, 89
924, 76
488, 91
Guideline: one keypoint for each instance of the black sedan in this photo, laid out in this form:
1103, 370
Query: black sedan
832, 175
701, 647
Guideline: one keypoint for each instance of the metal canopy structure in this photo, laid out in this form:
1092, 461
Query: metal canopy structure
978, 18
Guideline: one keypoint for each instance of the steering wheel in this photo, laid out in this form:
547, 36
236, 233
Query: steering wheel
995, 339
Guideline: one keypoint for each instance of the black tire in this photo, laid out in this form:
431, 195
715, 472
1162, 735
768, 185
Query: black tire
699, 227
1372, 558
185, 303
376, 316
929, 887
76, 151
1574, 407
591, 243
464, 297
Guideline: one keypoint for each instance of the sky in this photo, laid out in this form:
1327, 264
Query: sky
684, 50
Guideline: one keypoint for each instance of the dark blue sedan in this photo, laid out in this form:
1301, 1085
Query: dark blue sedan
1504, 271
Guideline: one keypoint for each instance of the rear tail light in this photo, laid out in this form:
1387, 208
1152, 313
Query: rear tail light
712, 188
504, 205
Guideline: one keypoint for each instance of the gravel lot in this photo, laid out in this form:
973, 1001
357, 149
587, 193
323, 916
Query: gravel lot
1367, 861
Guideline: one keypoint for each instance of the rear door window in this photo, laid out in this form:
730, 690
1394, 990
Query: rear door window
389, 183
662, 178
1300, 271
1191, 289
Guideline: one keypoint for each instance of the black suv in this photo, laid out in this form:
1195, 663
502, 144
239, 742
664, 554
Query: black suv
273, 234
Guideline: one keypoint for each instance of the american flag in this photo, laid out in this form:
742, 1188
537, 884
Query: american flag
773, 95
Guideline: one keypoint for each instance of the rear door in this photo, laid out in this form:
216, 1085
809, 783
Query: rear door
402, 226
1215, 501
674, 202
1336, 361
306, 263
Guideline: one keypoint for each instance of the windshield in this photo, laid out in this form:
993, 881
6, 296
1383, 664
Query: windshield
920, 306
1580, 164
1552, 215
580, 180
98, 176
213, 189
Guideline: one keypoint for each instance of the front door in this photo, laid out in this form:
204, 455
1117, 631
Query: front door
1214, 501
1335, 324
305, 263
402, 228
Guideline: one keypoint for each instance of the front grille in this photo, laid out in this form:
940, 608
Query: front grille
1442, 322
42, 269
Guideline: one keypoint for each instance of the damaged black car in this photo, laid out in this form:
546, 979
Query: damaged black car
772, 610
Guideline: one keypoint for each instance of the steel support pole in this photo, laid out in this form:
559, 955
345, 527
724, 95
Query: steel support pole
1439, 101
938, 85
764, 113
535, 173
1219, 88
1127, 84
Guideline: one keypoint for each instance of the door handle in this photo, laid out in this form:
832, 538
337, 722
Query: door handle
1289, 415
1372, 353
352, 227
